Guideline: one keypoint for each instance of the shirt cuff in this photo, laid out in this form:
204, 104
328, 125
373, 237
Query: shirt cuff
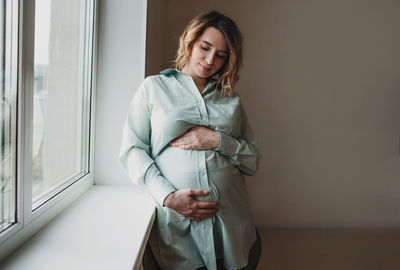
160, 189
227, 145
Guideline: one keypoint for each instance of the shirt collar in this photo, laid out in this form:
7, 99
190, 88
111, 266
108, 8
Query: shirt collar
169, 71
174, 71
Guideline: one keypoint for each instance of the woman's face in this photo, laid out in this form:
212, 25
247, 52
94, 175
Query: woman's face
209, 53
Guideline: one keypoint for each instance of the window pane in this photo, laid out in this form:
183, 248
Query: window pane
8, 120
60, 132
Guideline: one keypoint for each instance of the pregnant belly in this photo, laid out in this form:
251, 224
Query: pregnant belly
182, 169
179, 167
222, 179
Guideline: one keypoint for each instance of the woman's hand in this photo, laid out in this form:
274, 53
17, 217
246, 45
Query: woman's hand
183, 203
198, 138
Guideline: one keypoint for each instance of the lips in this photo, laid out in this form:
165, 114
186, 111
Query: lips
207, 69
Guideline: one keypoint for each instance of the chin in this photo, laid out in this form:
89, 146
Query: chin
201, 72
204, 74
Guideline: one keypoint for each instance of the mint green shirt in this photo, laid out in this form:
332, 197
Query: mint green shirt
163, 108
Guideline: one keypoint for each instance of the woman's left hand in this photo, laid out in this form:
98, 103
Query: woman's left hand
197, 138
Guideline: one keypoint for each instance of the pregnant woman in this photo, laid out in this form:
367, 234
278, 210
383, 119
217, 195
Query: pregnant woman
188, 143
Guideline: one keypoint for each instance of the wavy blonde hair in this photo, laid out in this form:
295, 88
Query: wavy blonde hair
228, 75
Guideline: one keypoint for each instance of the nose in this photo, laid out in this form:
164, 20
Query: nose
210, 58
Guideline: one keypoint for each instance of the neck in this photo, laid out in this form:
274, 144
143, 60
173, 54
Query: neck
201, 83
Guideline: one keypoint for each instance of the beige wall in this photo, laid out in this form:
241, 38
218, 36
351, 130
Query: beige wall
120, 70
321, 85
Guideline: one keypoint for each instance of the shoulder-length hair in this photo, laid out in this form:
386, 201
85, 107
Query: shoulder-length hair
228, 75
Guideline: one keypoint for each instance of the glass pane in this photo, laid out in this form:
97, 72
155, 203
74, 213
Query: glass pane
59, 112
8, 122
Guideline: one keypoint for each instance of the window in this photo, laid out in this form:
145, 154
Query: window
46, 74
60, 126
8, 115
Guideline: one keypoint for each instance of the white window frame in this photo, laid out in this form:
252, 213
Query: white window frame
30, 221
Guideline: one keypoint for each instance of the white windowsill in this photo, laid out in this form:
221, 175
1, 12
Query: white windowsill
107, 228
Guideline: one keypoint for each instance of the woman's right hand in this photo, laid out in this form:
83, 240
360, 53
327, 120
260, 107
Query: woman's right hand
183, 203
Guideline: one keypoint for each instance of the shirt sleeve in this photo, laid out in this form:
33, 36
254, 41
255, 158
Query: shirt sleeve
242, 152
135, 155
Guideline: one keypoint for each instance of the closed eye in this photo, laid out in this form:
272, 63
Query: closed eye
204, 48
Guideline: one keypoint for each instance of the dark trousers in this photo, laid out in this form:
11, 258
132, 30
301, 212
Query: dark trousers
150, 263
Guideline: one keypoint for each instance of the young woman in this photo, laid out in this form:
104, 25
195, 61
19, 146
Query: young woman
187, 141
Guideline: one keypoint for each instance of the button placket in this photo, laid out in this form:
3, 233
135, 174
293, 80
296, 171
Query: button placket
210, 249
202, 171
207, 226
204, 120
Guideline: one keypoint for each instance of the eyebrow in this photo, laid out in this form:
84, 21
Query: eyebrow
205, 41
